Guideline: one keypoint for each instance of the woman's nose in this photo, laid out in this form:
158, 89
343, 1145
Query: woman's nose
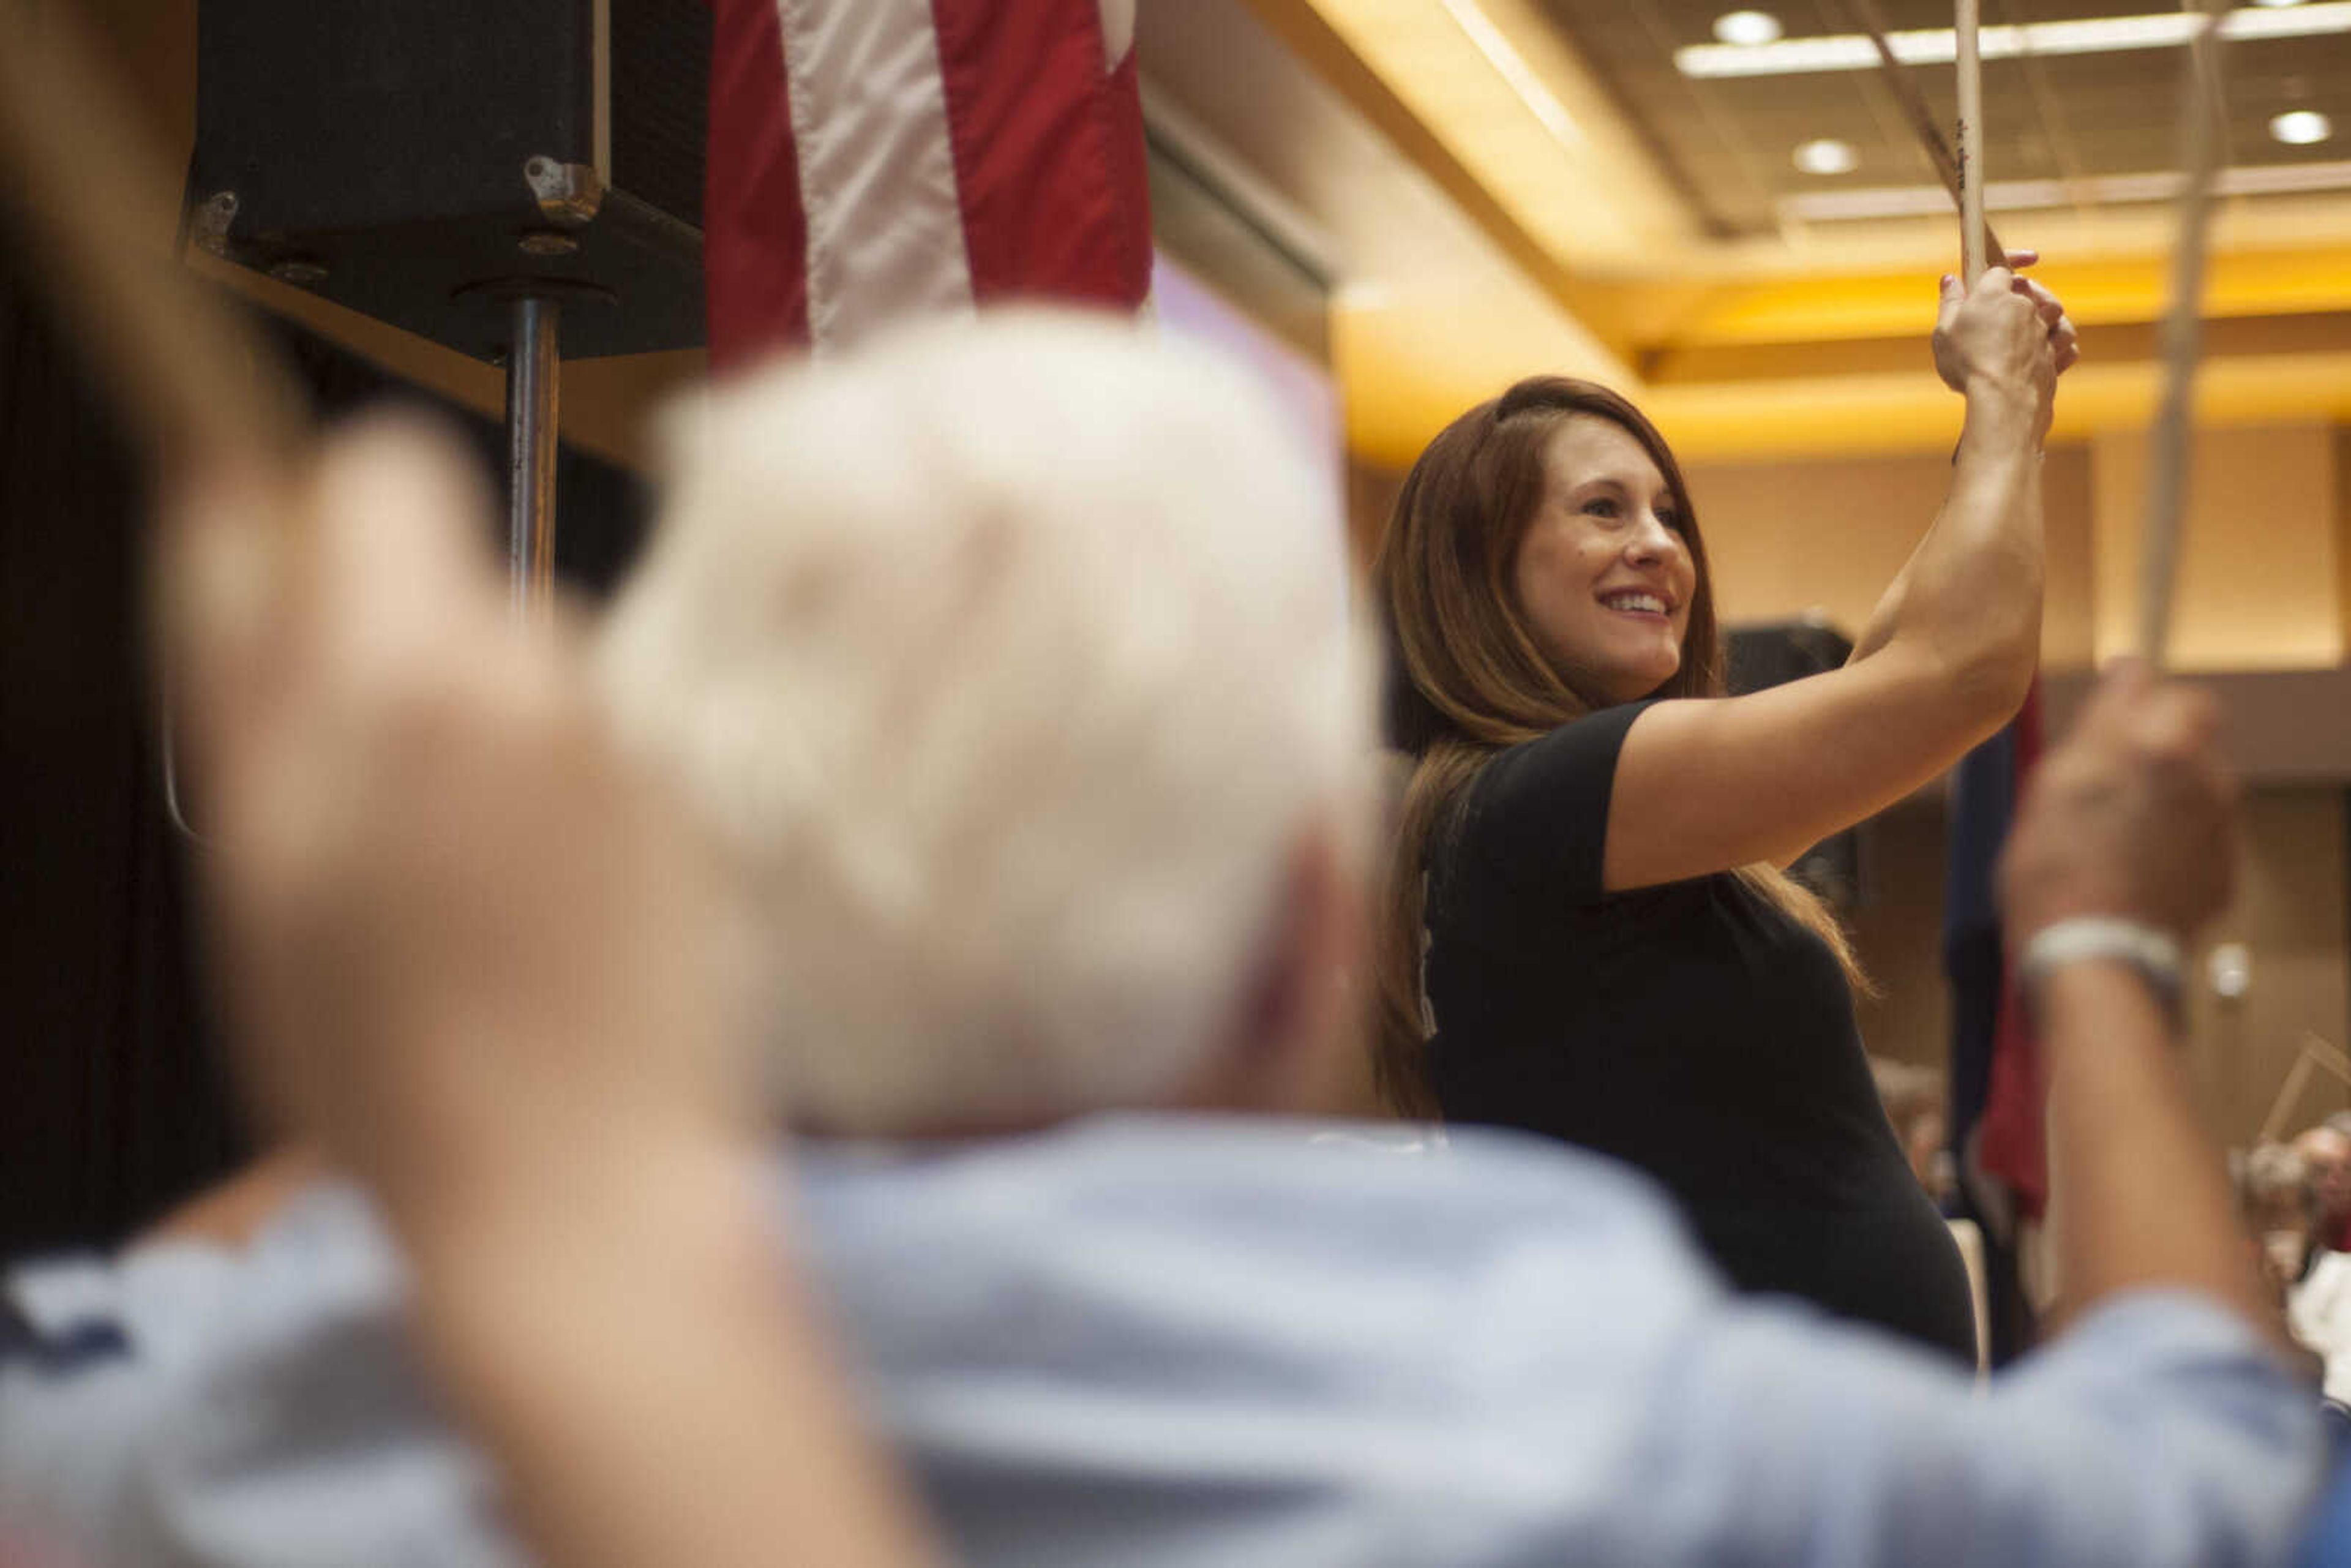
1650, 539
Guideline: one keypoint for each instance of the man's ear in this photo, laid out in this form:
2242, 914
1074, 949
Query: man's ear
1300, 1042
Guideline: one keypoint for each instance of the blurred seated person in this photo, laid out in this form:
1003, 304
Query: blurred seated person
2325, 1150
2317, 1287
2281, 1214
1006, 665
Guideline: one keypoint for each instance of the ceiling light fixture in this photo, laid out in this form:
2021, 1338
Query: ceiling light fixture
1937, 45
1827, 156
1746, 29
2302, 127
1512, 67
2023, 195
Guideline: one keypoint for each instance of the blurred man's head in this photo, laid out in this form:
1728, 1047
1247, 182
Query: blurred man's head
1012, 661
2326, 1152
2274, 1189
2279, 1208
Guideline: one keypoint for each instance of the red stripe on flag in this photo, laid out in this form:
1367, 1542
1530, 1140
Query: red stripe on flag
1047, 151
755, 234
1130, 175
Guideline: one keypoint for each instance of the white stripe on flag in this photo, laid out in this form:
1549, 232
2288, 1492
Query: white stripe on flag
869, 105
1118, 31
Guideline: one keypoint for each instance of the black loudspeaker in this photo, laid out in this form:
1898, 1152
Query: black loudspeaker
427, 162
1770, 655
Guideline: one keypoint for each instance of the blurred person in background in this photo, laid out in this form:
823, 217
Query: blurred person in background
2317, 1288
2325, 1149
1004, 667
2277, 1205
2280, 1208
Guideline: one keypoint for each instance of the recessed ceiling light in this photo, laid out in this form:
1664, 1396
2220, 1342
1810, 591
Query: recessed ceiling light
1826, 156
2081, 36
1746, 29
2277, 5
2301, 127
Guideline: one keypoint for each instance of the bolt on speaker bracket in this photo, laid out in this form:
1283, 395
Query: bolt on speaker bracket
568, 195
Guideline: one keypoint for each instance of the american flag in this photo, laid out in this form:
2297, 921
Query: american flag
872, 160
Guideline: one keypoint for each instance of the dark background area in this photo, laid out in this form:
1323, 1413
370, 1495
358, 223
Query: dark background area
114, 1099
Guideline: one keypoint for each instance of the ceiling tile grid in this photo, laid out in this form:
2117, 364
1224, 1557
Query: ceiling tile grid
2061, 129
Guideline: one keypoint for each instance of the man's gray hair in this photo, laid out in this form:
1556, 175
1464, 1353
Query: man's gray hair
1011, 659
2274, 1171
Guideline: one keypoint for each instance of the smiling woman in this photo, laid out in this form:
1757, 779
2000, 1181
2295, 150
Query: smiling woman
1586, 932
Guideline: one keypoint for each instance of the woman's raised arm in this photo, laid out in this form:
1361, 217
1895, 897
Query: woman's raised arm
1706, 786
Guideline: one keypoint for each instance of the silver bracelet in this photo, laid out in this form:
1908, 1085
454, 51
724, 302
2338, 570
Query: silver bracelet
2153, 954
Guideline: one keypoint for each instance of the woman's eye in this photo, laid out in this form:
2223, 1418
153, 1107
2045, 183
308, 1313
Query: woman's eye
1600, 507
1670, 518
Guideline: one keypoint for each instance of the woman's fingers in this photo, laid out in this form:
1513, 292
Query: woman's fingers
2064, 341
2048, 304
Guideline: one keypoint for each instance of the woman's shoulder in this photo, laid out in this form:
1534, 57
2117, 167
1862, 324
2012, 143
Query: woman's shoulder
1536, 815
1581, 752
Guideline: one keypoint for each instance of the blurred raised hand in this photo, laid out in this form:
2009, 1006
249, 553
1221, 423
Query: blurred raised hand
482, 964
460, 934
2133, 817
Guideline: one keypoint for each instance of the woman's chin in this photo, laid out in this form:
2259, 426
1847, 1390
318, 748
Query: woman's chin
1632, 682
1629, 676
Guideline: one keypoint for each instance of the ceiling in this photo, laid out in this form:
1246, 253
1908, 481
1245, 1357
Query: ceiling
1607, 213
2062, 120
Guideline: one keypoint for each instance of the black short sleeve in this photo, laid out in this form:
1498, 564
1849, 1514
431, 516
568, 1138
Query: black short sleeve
1538, 814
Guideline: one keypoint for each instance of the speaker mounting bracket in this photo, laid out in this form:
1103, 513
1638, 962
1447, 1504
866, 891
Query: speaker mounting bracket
568, 195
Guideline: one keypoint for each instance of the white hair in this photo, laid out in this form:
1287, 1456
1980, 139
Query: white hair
2272, 1171
1010, 659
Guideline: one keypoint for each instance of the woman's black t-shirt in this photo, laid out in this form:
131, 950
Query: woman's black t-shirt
1694, 1030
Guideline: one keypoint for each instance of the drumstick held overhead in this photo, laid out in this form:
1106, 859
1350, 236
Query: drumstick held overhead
192, 378
199, 388
1969, 61
1914, 106
2169, 439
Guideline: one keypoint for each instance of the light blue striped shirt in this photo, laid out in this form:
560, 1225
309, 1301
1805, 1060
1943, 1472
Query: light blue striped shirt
1151, 1341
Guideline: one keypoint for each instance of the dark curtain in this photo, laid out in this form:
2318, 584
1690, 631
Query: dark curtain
114, 1102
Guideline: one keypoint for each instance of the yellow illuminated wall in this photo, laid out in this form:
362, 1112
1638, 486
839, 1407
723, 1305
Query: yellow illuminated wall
1826, 535
2261, 580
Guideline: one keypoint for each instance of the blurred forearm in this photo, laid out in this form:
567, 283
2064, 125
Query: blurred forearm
2142, 1199
655, 1388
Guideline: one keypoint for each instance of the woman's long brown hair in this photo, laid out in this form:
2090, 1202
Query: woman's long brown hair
1467, 680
